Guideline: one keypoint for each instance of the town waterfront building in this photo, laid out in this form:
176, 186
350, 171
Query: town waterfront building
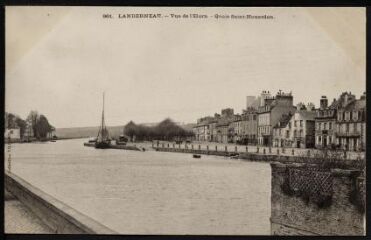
325, 121
270, 112
295, 130
222, 128
249, 126
282, 134
12, 133
202, 129
351, 123
329, 122
216, 129
235, 129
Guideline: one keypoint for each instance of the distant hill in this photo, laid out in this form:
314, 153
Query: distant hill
86, 132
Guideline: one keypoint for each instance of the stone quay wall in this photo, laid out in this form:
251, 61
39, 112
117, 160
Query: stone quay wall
262, 154
291, 215
59, 217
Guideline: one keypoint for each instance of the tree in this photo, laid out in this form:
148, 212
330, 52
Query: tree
22, 125
14, 121
165, 130
43, 127
130, 130
39, 124
32, 118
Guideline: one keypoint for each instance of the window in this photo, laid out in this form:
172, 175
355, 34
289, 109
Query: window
301, 123
301, 133
295, 123
295, 133
351, 127
347, 127
254, 117
330, 125
340, 114
287, 133
319, 126
324, 126
279, 131
289, 124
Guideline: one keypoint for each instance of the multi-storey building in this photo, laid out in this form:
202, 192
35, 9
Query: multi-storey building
295, 130
351, 123
325, 124
282, 136
202, 129
222, 129
235, 129
215, 128
249, 126
326, 120
270, 112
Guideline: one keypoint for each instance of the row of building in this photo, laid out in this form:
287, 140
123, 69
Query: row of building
274, 121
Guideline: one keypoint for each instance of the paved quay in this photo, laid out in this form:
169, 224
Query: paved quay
19, 219
221, 147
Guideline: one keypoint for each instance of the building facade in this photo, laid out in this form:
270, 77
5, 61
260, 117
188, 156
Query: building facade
270, 113
222, 129
325, 124
12, 134
295, 130
351, 124
326, 121
201, 130
249, 127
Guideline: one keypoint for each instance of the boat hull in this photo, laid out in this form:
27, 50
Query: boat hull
102, 145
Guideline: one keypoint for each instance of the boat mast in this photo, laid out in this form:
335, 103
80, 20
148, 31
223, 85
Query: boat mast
101, 131
103, 114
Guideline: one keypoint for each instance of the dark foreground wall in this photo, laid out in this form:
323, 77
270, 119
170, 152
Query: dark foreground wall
293, 215
56, 215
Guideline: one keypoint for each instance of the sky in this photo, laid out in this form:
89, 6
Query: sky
60, 60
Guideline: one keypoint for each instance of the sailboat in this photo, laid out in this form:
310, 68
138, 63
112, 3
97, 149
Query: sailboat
103, 140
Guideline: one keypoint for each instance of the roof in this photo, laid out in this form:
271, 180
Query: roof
358, 104
284, 120
223, 122
309, 115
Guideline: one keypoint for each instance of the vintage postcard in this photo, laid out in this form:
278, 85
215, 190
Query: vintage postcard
185, 120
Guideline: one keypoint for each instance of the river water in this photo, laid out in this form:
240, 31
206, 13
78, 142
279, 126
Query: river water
151, 192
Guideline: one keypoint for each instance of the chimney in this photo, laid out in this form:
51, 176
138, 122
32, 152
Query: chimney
323, 102
263, 96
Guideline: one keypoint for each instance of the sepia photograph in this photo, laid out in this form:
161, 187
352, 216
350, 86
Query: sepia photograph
185, 120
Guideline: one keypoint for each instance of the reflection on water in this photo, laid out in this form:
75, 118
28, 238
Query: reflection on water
151, 192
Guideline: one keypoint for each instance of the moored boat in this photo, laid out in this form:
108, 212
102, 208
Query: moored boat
103, 140
122, 140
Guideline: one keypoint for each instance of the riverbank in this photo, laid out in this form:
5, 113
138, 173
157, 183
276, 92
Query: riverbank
259, 150
262, 155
